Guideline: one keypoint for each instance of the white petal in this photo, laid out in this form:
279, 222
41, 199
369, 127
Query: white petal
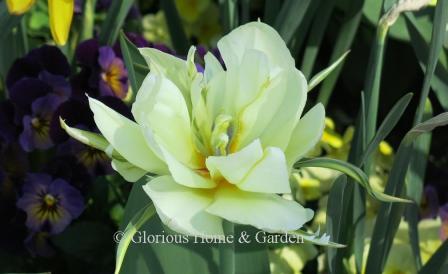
234, 167
273, 114
268, 212
212, 66
126, 138
175, 69
160, 106
184, 175
269, 175
128, 171
255, 35
306, 134
182, 208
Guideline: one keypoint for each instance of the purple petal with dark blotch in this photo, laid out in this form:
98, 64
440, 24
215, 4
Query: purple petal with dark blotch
106, 57
21, 68
51, 59
69, 197
60, 85
87, 52
26, 90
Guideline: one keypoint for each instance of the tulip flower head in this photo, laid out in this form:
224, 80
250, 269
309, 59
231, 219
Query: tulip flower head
223, 141
60, 13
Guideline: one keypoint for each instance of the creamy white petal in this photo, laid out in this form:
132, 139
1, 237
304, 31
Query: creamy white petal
182, 208
167, 65
268, 212
259, 36
184, 175
128, 171
212, 66
269, 175
126, 138
280, 128
306, 134
160, 106
234, 167
273, 114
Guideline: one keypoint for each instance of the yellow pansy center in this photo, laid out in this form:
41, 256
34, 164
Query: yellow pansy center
50, 200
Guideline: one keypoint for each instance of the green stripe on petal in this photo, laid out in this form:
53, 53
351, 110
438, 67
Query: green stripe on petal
268, 212
269, 175
182, 208
126, 137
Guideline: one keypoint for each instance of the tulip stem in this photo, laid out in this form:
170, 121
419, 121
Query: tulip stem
227, 251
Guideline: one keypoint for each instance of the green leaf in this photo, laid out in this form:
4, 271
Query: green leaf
175, 27
438, 263
319, 77
317, 32
7, 21
144, 215
116, 15
343, 43
338, 217
227, 251
186, 258
439, 82
389, 215
131, 57
437, 39
290, 17
387, 125
271, 9
351, 171
316, 238
229, 14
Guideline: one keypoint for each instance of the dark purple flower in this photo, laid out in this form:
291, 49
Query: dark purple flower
36, 126
50, 204
38, 244
102, 71
8, 128
45, 58
443, 213
430, 203
114, 76
68, 168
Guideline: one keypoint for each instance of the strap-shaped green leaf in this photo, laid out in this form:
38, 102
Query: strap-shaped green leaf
353, 172
144, 215
320, 76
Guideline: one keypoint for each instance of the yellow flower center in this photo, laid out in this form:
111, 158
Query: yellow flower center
50, 200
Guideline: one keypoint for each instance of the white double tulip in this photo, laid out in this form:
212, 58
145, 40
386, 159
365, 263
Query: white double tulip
223, 142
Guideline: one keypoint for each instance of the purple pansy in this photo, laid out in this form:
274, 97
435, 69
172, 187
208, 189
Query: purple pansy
50, 204
102, 71
114, 76
36, 126
430, 203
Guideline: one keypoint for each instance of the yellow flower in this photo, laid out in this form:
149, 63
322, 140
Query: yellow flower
60, 12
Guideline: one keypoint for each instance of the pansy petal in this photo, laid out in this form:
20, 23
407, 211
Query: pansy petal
60, 13
18, 7
161, 107
127, 170
126, 137
184, 175
306, 134
259, 36
182, 208
270, 174
234, 167
268, 212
